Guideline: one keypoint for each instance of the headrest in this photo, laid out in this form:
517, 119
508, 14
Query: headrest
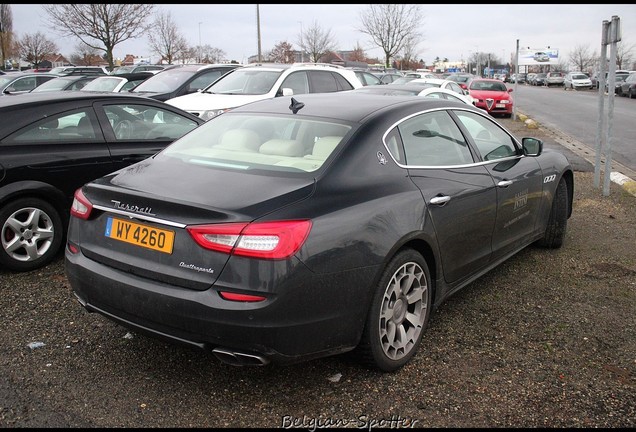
282, 147
325, 145
240, 140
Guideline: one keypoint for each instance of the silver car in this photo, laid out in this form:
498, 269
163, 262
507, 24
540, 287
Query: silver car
577, 80
554, 78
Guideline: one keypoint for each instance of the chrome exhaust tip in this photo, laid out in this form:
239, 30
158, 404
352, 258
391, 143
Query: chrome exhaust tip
236, 358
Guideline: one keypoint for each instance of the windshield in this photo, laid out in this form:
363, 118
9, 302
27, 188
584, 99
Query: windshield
488, 86
6, 79
164, 82
579, 76
290, 143
52, 85
57, 70
124, 69
245, 82
102, 84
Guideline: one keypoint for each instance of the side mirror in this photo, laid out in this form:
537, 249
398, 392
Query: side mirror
510, 90
287, 91
532, 146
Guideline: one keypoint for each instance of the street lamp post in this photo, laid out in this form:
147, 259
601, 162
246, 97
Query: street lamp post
302, 43
200, 42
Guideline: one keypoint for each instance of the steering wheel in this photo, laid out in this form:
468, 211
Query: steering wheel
123, 129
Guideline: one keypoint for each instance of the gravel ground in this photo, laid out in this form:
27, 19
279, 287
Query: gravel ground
547, 339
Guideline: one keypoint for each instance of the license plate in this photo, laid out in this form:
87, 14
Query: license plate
140, 235
500, 106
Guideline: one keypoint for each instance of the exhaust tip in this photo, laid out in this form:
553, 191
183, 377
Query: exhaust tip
236, 358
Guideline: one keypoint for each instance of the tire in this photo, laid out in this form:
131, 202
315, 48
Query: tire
558, 220
632, 94
399, 313
32, 232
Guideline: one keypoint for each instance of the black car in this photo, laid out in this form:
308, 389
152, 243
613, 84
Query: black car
539, 79
180, 80
628, 86
300, 227
53, 142
65, 83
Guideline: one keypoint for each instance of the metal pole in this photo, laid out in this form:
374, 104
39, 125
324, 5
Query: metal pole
302, 43
600, 81
258, 29
514, 105
199, 42
614, 38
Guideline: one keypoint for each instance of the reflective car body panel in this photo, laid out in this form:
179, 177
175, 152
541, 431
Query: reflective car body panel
368, 175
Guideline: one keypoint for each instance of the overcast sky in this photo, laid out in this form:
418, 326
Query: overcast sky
452, 31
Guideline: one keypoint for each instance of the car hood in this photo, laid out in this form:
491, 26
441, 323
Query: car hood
485, 94
209, 101
200, 194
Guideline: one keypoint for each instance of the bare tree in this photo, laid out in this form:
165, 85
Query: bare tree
391, 26
283, 52
6, 32
582, 59
624, 55
101, 26
186, 54
165, 39
357, 54
84, 55
210, 54
317, 42
409, 54
35, 47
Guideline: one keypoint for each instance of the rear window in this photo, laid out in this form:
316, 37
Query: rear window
274, 143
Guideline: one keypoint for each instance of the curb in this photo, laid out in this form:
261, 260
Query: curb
620, 179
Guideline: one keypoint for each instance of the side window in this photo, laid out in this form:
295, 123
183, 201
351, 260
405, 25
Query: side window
24, 84
491, 140
343, 84
433, 139
204, 80
456, 88
323, 82
435, 95
298, 82
392, 142
146, 122
74, 126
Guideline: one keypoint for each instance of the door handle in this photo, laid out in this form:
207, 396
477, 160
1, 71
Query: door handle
440, 200
504, 183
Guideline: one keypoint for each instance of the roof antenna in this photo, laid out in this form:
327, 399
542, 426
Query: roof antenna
296, 106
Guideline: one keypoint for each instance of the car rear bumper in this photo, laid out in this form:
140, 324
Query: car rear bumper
319, 315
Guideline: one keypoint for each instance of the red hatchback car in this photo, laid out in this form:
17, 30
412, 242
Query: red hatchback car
492, 95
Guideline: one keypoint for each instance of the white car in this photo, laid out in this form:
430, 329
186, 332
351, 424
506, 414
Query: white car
256, 82
577, 80
416, 90
444, 84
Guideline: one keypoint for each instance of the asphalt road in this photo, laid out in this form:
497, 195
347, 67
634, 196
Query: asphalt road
575, 113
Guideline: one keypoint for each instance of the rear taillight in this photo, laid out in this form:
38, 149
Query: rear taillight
81, 207
267, 240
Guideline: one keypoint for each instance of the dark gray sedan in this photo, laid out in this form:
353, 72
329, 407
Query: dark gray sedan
301, 227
